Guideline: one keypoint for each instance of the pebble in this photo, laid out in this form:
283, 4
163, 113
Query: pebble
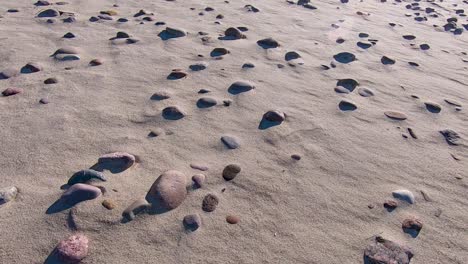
387, 61
274, 116
96, 62
80, 192
383, 251
108, 204
395, 115
84, 176
404, 195
199, 66
176, 75
11, 91
42, 3
453, 102
217, 52
176, 32
169, 189
390, 204
234, 33
412, 224
162, 95
433, 107
210, 202
295, 157
156, 132
198, 180
31, 67
231, 171
268, 43
123, 159
451, 137
232, 219
241, 87
69, 35
49, 13
199, 167
230, 142
73, 249
173, 113
248, 65
344, 57
66, 50
135, 208
206, 102
365, 92
346, 105
51, 81
192, 222
67, 57
8, 194
44, 101
9, 73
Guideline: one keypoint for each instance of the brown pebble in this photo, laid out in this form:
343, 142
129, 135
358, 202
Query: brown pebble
296, 157
108, 204
390, 204
232, 219
12, 91
210, 202
96, 62
412, 223
198, 180
231, 171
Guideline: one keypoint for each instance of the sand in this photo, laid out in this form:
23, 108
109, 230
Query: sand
323, 205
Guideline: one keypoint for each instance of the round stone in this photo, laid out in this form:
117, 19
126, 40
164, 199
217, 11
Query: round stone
108, 204
192, 222
230, 142
231, 171
233, 33
268, 43
169, 189
412, 224
232, 219
49, 13
122, 160
73, 249
210, 202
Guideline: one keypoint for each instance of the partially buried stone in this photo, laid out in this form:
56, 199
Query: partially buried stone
404, 195
230, 142
11, 91
135, 208
161, 95
241, 87
206, 102
173, 113
66, 50
210, 202
95, 62
395, 115
73, 249
365, 92
198, 180
175, 32
9, 73
234, 33
199, 167
51, 81
31, 67
84, 176
383, 251
67, 57
232, 219
176, 75
69, 35
412, 224
192, 222
80, 192
122, 159
44, 101
296, 157
451, 137
8, 194
169, 190
231, 171
49, 13
433, 107
390, 204
268, 43
274, 116
198, 66
108, 204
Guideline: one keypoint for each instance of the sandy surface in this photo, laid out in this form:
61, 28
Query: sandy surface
324, 208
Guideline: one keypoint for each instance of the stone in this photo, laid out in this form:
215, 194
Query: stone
66, 50
268, 43
108, 204
206, 102
96, 62
9, 73
172, 32
198, 180
347, 105
390, 204
232, 219
199, 167
173, 113
109, 12
51, 81
11, 91
344, 57
365, 92
73, 249
274, 116
296, 157
80, 192
169, 189
433, 107
44, 101
234, 33
412, 224
121, 159
69, 35
84, 176
217, 52
176, 75
231, 171
49, 13
192, 222
451, 137
135, 208
161, 95
210, 202
453, 102
42, 3
67, 57
230, 142
199, 66
241, 87
122, 34
404, 195
8, 194
383, 251
395, 115
156, 132
31, 67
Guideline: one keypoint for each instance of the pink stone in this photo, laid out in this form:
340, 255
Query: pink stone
126, 159
80, 192
73, 249
169, 190
12, 91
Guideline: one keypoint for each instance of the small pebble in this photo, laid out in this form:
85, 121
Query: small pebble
232, 219
108, 204
73, 249
210, 202
231, 171
192, 222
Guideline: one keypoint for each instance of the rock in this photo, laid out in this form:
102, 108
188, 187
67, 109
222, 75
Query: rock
387, 61
231, 171
49, 13
96, 62
135, 208
8, 73
31, 67
73, 249
206, 102
11, 91
122, 34
365, 92
198, 66
268, 43
84, 176
159, 96
171, 32
67, 57
122, 160
232, 219
404, 195
295, 157
156, 132
8, 194
412, 225
230, 142
44, 101
241, 87
274, 116
210, 202
69, 35
109, 12
176, 75
383, 251
198, 167
344, 57
433, 107
390, 204
217, 52
69, 20
395, 115
234, 33
169, 189
42, 3
51, 81
453, 102
108, 204
248, 65
192, 222
451, 137
251, 8
173, 113
80, 192
347, 105
198, 180
66, 50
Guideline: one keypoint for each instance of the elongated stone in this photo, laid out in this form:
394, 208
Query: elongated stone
84, 176
169, 189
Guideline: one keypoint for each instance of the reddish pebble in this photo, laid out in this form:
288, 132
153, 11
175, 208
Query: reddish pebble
73, 249
12, 91
232, 219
